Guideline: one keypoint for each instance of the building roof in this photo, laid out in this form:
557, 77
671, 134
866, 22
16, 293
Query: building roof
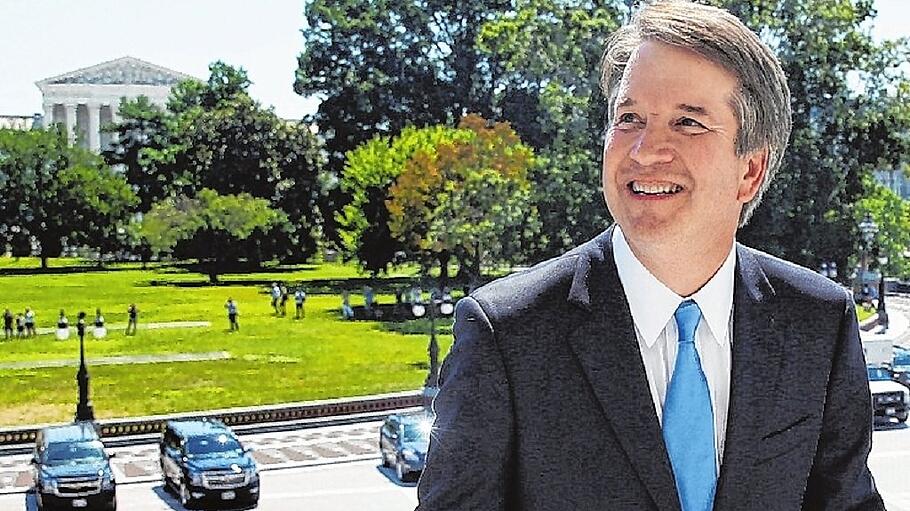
122, 71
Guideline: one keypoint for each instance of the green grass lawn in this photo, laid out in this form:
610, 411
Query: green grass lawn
273, 359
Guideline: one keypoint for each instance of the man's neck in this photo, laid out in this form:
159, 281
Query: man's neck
683, 274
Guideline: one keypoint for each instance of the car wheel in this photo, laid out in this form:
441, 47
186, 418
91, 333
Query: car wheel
186, 500
400, 472
385, 459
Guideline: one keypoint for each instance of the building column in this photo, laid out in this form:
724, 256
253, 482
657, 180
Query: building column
48, 120
70, 123
94, 126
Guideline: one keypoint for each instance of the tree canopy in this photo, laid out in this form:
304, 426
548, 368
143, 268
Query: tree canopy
208, 227
57, 194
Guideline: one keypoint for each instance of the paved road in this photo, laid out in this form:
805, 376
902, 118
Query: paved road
342, 480
360, 485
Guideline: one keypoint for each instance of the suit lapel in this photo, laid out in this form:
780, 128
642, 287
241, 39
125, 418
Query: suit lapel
757, 357
607, 349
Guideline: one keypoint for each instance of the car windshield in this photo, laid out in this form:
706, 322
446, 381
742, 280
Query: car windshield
901, 357
878, 374
57, 454
212, 445
417, 431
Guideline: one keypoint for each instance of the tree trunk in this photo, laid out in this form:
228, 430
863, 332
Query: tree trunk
44, 259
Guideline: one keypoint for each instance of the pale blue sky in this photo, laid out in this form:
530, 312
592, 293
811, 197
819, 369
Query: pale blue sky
44, 38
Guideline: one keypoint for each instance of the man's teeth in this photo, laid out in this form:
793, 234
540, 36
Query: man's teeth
655, 188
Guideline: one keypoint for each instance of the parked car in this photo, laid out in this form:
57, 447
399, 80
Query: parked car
204, 463
403, 444
72, 469
890, 400
900, 366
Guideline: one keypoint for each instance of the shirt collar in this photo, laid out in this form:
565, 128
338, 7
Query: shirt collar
652, 303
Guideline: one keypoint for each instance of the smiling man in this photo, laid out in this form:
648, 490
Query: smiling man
663, 366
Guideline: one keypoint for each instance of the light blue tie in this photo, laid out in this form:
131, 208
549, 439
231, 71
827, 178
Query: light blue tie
688, 419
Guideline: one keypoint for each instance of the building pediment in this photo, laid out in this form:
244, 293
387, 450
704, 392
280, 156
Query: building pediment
122, 71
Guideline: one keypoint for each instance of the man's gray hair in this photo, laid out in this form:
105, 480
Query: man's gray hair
762, 103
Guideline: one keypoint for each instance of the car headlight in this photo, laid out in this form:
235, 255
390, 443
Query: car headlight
409, 454
195, 479
48, 482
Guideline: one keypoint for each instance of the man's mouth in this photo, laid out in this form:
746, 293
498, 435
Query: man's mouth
654, 188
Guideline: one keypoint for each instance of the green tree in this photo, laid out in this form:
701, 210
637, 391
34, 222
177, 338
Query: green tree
58, 194
383, 65
138, 141
214, 135
468, 199
208, 227
841, 132
369, 171
550, 51
892, 215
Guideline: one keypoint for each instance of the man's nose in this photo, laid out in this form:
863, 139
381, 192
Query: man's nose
652, 147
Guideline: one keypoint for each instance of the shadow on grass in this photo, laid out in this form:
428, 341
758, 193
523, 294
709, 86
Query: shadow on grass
382, 285
63, 270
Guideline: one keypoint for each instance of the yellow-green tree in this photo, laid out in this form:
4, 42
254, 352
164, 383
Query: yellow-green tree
467, 198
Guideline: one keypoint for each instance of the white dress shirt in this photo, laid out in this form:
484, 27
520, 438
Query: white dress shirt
653, 304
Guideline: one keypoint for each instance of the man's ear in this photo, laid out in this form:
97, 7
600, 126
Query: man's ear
756, 166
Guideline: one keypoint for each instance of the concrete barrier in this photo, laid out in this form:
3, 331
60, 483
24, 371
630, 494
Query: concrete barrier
259, 415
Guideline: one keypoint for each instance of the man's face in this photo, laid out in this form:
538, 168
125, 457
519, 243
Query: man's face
671, 176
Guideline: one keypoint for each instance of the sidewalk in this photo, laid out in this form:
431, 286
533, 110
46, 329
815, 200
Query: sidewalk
898, 323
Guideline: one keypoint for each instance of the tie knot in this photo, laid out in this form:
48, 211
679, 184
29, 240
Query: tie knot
687, 316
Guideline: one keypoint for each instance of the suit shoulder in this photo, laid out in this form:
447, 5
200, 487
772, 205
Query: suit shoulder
518, 290
791, 279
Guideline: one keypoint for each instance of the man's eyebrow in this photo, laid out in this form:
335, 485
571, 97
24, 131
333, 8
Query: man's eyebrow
625, 102
693, 109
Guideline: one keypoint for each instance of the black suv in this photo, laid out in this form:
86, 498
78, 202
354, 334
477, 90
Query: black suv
205, 463
403, 443
72, 470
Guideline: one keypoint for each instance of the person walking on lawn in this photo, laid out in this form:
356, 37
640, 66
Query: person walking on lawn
7, 324
133, 323
30, 323
299, 299
232, 313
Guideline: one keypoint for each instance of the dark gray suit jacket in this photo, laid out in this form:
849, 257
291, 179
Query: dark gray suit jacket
544, 403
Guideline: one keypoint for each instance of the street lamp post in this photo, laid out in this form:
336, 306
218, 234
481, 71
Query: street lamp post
445, 307
84, 410
869, 229
882, 313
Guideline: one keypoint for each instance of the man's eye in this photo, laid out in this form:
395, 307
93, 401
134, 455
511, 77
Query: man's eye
626, 118
690, 123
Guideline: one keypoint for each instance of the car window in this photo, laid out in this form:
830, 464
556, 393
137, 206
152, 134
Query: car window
417, 431
212, 445
63, 453
878, 374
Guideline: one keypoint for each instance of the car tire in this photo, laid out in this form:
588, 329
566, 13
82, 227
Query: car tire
385, 459
400, 472
186, 500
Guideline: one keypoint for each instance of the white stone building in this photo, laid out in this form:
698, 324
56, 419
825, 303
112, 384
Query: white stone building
86, 99
19, 122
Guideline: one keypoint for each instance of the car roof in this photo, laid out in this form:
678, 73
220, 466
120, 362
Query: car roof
415, 418
198, 427
78, 432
